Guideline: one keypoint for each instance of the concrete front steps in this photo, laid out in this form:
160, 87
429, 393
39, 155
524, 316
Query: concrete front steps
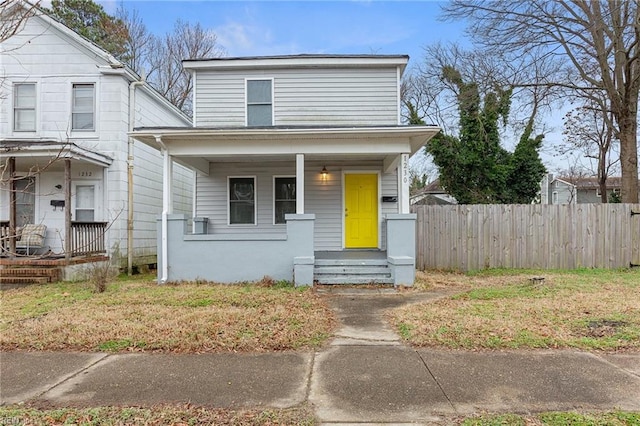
23, 275
352, 271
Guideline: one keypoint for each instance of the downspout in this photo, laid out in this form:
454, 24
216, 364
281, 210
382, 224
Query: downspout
132, 119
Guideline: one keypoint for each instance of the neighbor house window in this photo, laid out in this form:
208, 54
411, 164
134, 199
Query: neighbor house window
83, 107
85, 203
554, 197
284, 198
24, 107
259, 103
242, 201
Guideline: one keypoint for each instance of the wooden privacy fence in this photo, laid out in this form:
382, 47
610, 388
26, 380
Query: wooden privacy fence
568, 236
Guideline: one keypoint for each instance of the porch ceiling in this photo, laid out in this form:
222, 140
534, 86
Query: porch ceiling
276, 140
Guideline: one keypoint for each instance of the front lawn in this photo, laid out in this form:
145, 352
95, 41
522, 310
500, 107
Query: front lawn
585, 309
139, 315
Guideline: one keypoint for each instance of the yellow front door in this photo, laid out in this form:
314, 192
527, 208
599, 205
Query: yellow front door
361, 210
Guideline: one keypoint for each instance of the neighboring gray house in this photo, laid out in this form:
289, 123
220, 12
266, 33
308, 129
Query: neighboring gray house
302, 172
575, 190
432, 194
66, 107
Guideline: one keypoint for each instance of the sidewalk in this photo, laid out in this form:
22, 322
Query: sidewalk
364, 375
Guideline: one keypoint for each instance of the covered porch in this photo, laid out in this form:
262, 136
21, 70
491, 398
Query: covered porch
350, 191
56, 188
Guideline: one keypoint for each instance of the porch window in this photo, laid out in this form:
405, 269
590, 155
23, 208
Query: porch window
24, 107
85, 203
259, 103
25, 201
242, 201
284, 198
83, 107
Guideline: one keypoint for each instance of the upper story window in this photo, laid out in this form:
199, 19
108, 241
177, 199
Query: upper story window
83, 107
24, 107
259, 102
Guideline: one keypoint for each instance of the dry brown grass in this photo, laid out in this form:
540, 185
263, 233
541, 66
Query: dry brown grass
156, 416
591, 310
142, 316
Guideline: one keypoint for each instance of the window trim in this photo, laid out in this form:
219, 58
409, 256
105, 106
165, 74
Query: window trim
255, 201
246, 98
274, 196
35, 107
97, 198
94, 128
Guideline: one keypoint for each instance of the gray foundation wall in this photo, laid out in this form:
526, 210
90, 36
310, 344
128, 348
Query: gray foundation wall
236, 257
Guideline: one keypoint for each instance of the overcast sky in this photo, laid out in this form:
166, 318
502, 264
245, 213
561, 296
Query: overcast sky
247, 28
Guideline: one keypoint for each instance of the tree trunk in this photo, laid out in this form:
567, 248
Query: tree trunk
629, 157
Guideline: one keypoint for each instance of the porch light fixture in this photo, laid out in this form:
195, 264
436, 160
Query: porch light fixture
58, 186
324, 173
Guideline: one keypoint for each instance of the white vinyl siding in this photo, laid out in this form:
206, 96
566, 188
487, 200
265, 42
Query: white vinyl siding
24, 107
322, 197
83, 107
316, 97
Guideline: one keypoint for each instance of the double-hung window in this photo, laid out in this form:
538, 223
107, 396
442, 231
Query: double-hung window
83, 107
242, 200
259, 102
24, 107
284, 198
85, 203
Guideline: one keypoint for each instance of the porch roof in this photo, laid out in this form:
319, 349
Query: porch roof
45, 152
197, 146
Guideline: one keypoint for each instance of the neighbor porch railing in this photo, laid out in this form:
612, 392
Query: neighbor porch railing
87, 238
4, 237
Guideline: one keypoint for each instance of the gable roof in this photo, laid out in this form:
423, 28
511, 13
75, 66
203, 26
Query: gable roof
613, 182
112, 65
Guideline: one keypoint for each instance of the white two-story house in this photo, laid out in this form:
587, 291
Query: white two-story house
302, 172
66, 159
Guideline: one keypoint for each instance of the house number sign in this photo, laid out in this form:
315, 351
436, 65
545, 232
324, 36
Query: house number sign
405, 168
85, 173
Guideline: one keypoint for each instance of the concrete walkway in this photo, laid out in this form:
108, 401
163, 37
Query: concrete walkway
364, 375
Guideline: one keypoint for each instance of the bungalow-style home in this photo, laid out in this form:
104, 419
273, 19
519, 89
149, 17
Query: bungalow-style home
432, 194
66, 160
576, 190
302, 172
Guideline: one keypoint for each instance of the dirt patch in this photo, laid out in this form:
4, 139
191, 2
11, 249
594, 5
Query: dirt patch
603, 328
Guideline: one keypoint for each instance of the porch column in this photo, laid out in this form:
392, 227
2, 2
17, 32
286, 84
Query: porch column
67, 210
299, 183
12, 205
403, 184
167, 209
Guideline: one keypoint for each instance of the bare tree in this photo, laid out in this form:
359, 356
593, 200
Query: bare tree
159, 59
598, 43
13, 16
586, 130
